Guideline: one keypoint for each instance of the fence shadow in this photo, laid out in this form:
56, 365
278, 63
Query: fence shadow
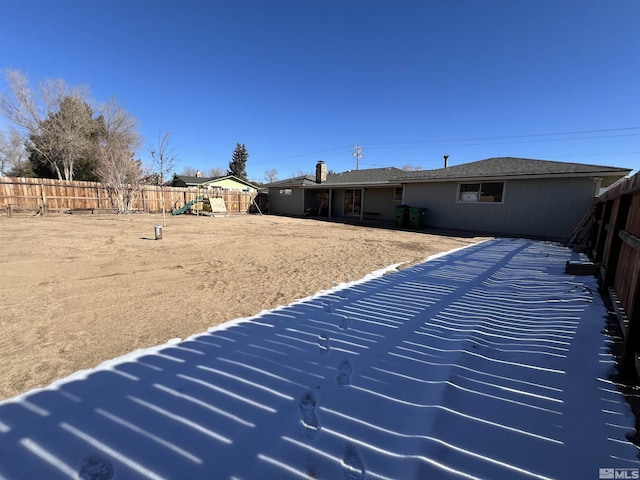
485, 363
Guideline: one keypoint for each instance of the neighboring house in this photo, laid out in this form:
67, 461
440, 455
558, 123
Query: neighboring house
189, 180
503, 196
226, 182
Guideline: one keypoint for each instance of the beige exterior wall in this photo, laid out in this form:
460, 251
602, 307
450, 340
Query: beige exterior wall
230, 183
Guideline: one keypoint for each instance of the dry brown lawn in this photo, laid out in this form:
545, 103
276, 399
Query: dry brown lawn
76, 290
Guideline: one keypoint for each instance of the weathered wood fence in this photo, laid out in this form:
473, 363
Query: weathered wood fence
615, 245
32, 195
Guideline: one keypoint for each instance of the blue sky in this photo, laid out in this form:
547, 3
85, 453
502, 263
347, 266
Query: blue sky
298, 81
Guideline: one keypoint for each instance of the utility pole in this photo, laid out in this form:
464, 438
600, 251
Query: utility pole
358, 153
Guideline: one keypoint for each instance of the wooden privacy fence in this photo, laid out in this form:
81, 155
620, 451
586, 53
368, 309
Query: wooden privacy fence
615, 245
42, 195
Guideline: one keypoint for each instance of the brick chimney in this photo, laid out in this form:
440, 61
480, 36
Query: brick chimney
321, 172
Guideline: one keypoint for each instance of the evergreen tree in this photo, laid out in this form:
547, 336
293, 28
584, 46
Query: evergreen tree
238, 163
64, 144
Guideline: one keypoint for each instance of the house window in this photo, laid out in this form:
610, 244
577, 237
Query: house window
284, 191
352, 202
397, 196
490, 192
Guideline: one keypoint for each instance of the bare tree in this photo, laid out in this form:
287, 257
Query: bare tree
303, 173
189, 171
215, 172
411, 168
270, 175
13, 156
58, 126
117, 168
164, 160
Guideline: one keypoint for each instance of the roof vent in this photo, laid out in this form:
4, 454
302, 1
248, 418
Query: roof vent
446, 161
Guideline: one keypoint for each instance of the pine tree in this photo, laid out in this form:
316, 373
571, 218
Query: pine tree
238, 163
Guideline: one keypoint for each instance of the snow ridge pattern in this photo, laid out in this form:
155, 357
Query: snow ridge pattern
486, 363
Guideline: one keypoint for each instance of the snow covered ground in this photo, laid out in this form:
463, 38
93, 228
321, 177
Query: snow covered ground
488, 362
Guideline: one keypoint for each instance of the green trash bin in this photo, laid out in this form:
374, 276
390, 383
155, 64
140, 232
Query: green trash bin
401, 215
417, 217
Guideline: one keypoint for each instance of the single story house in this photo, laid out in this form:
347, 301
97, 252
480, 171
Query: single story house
501, 196
226, 182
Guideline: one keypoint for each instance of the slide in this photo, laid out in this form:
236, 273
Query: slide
181, 210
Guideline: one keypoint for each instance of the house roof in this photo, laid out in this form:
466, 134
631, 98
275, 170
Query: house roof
369, 175
501, 167
190, 180
350, 177
300, 181
496, 168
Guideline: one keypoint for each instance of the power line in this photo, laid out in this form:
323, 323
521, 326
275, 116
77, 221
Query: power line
458, 142
478, 143
504, 137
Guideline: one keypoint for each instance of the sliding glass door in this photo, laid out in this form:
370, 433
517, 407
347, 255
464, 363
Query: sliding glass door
352, 202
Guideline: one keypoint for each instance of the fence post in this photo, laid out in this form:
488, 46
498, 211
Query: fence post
44, 199
619, 223
628, 366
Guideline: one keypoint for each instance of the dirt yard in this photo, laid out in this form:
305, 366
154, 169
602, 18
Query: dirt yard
76, 290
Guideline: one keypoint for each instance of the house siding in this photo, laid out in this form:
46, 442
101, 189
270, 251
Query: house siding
231, 184
380, 201
538, 207
286, 204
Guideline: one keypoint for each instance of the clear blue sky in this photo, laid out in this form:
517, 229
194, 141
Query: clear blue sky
297, 81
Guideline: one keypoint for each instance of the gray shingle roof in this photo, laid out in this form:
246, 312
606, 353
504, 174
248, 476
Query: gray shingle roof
369, 175
190, 180
511, 167
292, 182
499, 167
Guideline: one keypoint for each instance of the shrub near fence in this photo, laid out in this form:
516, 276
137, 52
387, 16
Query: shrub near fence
33, 195
615, 244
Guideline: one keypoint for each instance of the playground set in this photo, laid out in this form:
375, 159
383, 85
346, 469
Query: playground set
209, 201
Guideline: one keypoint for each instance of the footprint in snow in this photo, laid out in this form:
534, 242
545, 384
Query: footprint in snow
352, 465
309, 418
344, 373
96, 469
323, 343
343, 321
